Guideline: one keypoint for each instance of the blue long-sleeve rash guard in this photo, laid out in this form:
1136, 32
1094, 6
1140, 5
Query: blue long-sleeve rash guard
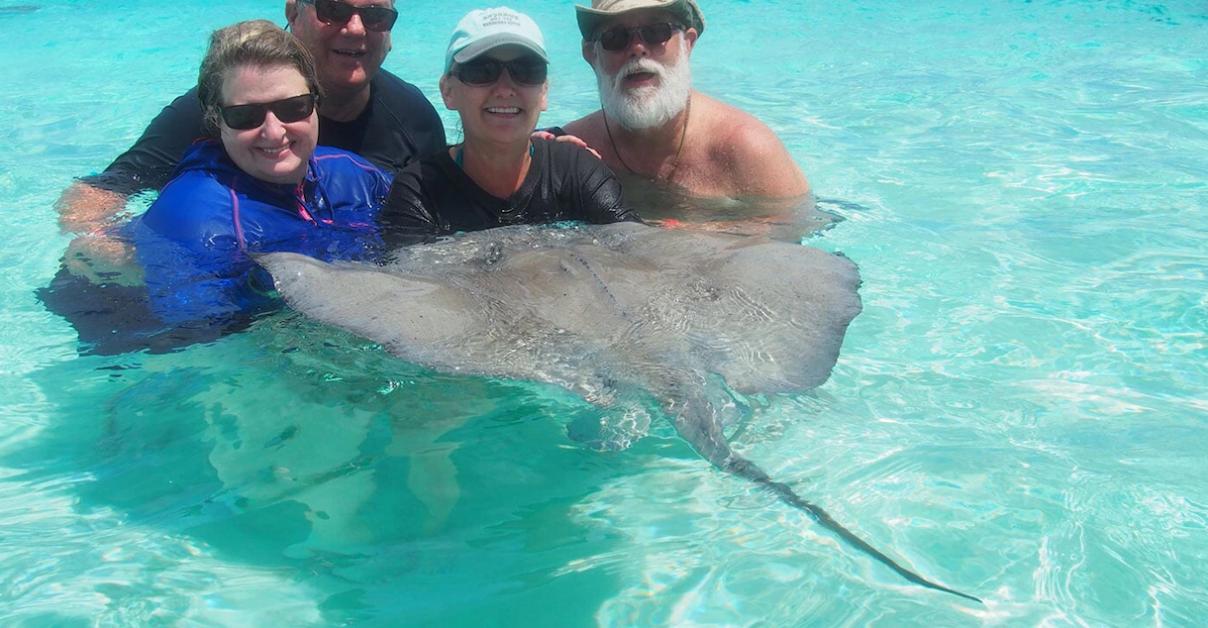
196, 240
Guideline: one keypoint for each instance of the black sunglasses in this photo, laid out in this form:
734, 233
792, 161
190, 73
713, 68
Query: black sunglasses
485, 71
293, 109
378, 19
618, 37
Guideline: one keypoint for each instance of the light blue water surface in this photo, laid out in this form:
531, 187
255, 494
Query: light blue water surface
1020, 412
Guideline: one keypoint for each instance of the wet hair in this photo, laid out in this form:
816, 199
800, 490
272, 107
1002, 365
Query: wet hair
256, 43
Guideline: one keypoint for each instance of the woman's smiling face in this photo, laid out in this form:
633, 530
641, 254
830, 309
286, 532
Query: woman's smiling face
275, 151
501, 112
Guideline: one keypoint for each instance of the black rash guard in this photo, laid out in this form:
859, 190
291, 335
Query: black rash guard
434, 196
398, 124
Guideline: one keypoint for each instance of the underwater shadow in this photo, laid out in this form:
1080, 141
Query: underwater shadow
390, 490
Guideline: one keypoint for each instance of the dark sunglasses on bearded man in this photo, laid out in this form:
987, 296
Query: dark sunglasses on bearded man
618, 37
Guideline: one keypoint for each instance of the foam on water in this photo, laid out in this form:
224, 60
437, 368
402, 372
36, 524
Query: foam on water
1019, 411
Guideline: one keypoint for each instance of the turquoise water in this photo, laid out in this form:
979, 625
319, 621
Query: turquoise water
1019, 412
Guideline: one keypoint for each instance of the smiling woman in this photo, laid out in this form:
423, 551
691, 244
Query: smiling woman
269, 128
262, 187
496, 80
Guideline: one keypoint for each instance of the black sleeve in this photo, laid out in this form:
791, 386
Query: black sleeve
599, 192
404, 125
150, 162
405, 218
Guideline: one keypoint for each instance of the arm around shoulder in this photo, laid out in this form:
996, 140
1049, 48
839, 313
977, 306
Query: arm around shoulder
92, 202
150, 162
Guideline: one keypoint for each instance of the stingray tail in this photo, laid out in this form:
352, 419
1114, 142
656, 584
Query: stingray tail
704, 433
745, 468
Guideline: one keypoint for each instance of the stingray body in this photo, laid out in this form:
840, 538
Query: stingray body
604, 311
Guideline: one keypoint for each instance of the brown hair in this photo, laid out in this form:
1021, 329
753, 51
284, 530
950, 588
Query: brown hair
254, 42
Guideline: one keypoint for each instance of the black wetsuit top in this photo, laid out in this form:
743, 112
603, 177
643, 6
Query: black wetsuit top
434, 196
398, 124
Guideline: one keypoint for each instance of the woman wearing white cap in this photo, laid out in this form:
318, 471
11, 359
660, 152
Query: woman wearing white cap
495, 78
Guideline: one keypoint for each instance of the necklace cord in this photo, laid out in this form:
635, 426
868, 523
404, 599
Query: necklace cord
678, 150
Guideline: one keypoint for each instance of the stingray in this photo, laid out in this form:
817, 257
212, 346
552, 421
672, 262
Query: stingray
609, 311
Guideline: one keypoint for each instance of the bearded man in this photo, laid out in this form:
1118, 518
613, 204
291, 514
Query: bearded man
654, 126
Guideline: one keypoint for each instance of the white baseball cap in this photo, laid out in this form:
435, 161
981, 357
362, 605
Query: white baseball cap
482, 30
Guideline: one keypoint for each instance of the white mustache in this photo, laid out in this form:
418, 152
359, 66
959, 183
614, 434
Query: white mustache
638, 65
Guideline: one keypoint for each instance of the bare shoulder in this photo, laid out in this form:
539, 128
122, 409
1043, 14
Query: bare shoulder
733, 126
751, 150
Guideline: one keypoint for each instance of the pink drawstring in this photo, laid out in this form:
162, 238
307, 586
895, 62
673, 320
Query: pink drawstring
301, 206
235, 218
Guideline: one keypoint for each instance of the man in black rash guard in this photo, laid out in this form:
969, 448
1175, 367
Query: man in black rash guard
365, 110
434, 196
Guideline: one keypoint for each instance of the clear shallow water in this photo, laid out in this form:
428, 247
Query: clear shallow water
1020, 411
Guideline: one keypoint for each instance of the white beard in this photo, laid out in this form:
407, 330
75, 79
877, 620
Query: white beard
646, 107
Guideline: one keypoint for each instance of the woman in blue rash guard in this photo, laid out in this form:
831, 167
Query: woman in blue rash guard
259, 185
495, 78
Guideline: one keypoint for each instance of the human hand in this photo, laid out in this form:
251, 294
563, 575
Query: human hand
83, 208
101, 259
568, 139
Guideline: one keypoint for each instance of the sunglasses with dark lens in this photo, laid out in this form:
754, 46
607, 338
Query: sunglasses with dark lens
485, 71
380, 19
292, 109
618, 37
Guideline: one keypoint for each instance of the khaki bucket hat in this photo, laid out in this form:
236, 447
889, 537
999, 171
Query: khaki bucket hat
600, 10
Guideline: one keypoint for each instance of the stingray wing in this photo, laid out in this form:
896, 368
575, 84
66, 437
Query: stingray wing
626, 304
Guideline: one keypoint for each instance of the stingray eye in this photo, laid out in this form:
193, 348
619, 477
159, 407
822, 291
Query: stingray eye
494, 253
